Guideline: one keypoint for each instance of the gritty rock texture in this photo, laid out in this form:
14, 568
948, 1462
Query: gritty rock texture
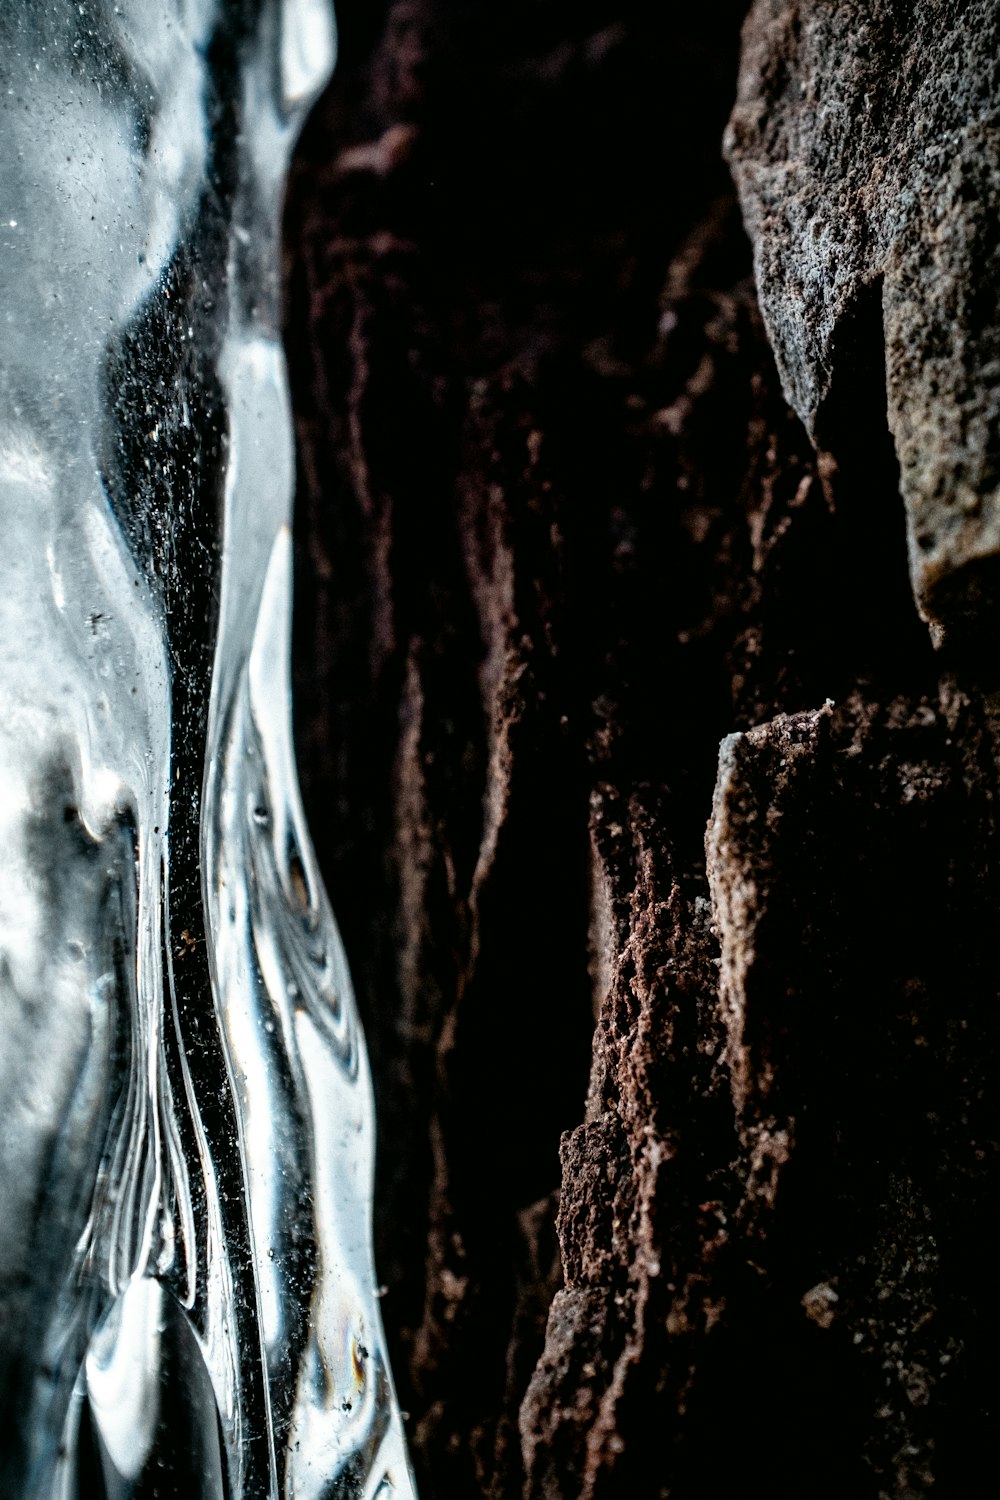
856, 1032
865, 142
688, 1147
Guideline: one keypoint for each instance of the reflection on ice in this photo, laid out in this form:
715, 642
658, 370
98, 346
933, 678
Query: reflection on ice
186, 1285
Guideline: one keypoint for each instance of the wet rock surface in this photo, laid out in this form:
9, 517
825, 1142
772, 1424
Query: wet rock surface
561, 537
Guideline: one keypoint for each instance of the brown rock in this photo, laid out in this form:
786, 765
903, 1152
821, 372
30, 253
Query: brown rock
560, 535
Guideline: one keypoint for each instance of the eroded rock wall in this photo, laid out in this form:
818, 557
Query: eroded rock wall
561, 537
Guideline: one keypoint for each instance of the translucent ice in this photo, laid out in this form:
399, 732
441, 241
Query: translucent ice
187, 1300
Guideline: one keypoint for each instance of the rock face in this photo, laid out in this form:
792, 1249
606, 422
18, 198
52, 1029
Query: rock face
684, 1145
866, 146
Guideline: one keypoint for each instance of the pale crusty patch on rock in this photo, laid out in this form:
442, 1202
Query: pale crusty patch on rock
865, 143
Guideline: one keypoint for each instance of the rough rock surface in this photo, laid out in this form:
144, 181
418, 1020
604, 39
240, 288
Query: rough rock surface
866, 145
560, 536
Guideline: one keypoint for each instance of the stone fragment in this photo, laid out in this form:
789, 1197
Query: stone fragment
865, 143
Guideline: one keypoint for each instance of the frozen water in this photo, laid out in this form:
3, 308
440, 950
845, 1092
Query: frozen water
187, 1300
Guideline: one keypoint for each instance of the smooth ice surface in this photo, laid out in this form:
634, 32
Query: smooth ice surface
187, 1297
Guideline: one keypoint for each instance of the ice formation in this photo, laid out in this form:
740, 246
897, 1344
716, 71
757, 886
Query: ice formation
187, 1297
